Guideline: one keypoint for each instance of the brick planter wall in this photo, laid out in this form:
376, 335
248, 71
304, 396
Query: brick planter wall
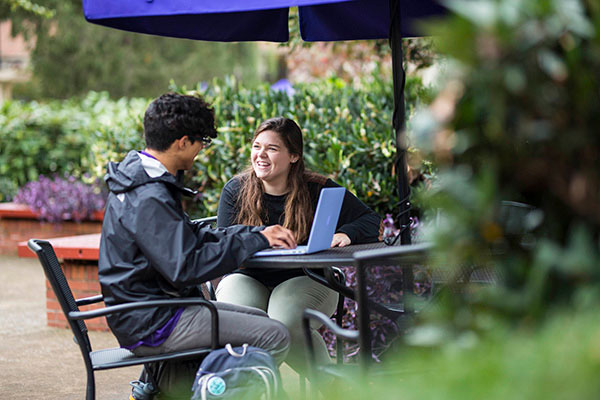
18, 223
82, 276
78, 256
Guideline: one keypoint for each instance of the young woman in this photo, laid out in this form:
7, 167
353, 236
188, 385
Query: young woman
276, 189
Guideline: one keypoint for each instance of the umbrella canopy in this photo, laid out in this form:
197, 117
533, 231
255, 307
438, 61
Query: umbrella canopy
254, 20
267, 20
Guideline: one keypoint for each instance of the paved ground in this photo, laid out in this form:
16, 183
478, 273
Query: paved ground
38, 362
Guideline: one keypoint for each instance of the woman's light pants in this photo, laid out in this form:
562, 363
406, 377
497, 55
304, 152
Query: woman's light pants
285, 303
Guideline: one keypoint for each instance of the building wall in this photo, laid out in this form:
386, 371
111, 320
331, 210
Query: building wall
14, 60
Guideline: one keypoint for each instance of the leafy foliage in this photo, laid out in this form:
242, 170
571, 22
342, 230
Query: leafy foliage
384, 286
39, 139
348, 135
517, 120
558, 361
62, 137
26, 6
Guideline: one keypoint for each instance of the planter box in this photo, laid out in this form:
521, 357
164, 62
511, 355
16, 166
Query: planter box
78, 256
82, 276
19, 223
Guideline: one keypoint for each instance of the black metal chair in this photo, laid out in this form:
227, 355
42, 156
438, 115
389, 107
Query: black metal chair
406, 257
335, 279
115, 357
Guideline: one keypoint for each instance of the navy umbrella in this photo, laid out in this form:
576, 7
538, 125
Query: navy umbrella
267, 20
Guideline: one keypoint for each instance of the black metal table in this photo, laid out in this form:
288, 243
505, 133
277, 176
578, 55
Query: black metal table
358, 256
325, 260
346, 257
335, 257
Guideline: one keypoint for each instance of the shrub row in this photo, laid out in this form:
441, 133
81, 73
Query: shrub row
347, 131
63, 138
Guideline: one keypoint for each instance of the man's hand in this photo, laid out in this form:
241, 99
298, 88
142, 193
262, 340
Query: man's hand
340, 240
278, 236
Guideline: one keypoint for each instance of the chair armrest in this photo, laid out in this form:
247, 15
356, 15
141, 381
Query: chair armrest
212, 220
89, 300
347, 334
330, 280
309, 314
192, 301
101, 312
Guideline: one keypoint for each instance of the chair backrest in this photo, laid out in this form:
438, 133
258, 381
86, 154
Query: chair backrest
399, 307
513, 217
60, 286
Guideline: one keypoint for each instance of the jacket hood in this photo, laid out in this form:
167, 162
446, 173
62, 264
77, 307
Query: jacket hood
130, 173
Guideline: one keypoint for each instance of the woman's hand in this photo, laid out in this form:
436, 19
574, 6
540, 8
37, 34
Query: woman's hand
278, 236
340, 240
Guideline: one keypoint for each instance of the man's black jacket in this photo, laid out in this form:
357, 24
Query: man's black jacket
150, 249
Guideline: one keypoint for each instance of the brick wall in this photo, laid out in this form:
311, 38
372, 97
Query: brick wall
18, 224
82, 276
13, 231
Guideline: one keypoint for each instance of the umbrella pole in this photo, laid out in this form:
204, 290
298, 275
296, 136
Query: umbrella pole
399, 122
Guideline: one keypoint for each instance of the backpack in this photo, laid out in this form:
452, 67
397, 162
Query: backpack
244, 372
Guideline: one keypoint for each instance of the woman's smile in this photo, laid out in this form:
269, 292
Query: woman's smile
271, 159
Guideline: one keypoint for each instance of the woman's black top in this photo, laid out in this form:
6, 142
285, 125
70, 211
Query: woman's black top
356, 220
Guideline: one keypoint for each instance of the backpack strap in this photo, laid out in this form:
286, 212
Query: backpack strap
232, 352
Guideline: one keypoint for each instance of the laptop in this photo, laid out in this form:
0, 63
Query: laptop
323, 226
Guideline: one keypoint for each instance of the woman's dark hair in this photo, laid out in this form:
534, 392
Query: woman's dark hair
298, 212
172, 116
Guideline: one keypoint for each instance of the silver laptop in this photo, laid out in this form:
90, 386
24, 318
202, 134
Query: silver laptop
323, 226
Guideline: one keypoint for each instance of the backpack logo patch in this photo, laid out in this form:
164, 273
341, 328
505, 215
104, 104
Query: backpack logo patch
216, 386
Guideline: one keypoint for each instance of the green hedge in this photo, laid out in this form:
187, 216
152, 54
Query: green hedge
517, 120
64, 138
560, 360
348, 135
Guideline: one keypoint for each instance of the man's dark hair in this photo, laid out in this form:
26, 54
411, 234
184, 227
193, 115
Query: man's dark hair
172, 116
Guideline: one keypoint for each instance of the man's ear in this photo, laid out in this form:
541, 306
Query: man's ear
182, 142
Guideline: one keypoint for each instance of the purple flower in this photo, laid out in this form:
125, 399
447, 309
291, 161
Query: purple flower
384, 285
414, 222
283, 85
389, 229
61, 199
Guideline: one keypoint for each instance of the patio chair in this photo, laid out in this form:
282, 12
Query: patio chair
405, 256
104, 359
335, 279
512, 217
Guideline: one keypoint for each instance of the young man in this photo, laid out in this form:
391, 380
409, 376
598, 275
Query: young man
151, 250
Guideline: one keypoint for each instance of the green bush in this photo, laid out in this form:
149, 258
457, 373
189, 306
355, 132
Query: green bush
39, 139
64, 137
518, 120
561, 360
348, 135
